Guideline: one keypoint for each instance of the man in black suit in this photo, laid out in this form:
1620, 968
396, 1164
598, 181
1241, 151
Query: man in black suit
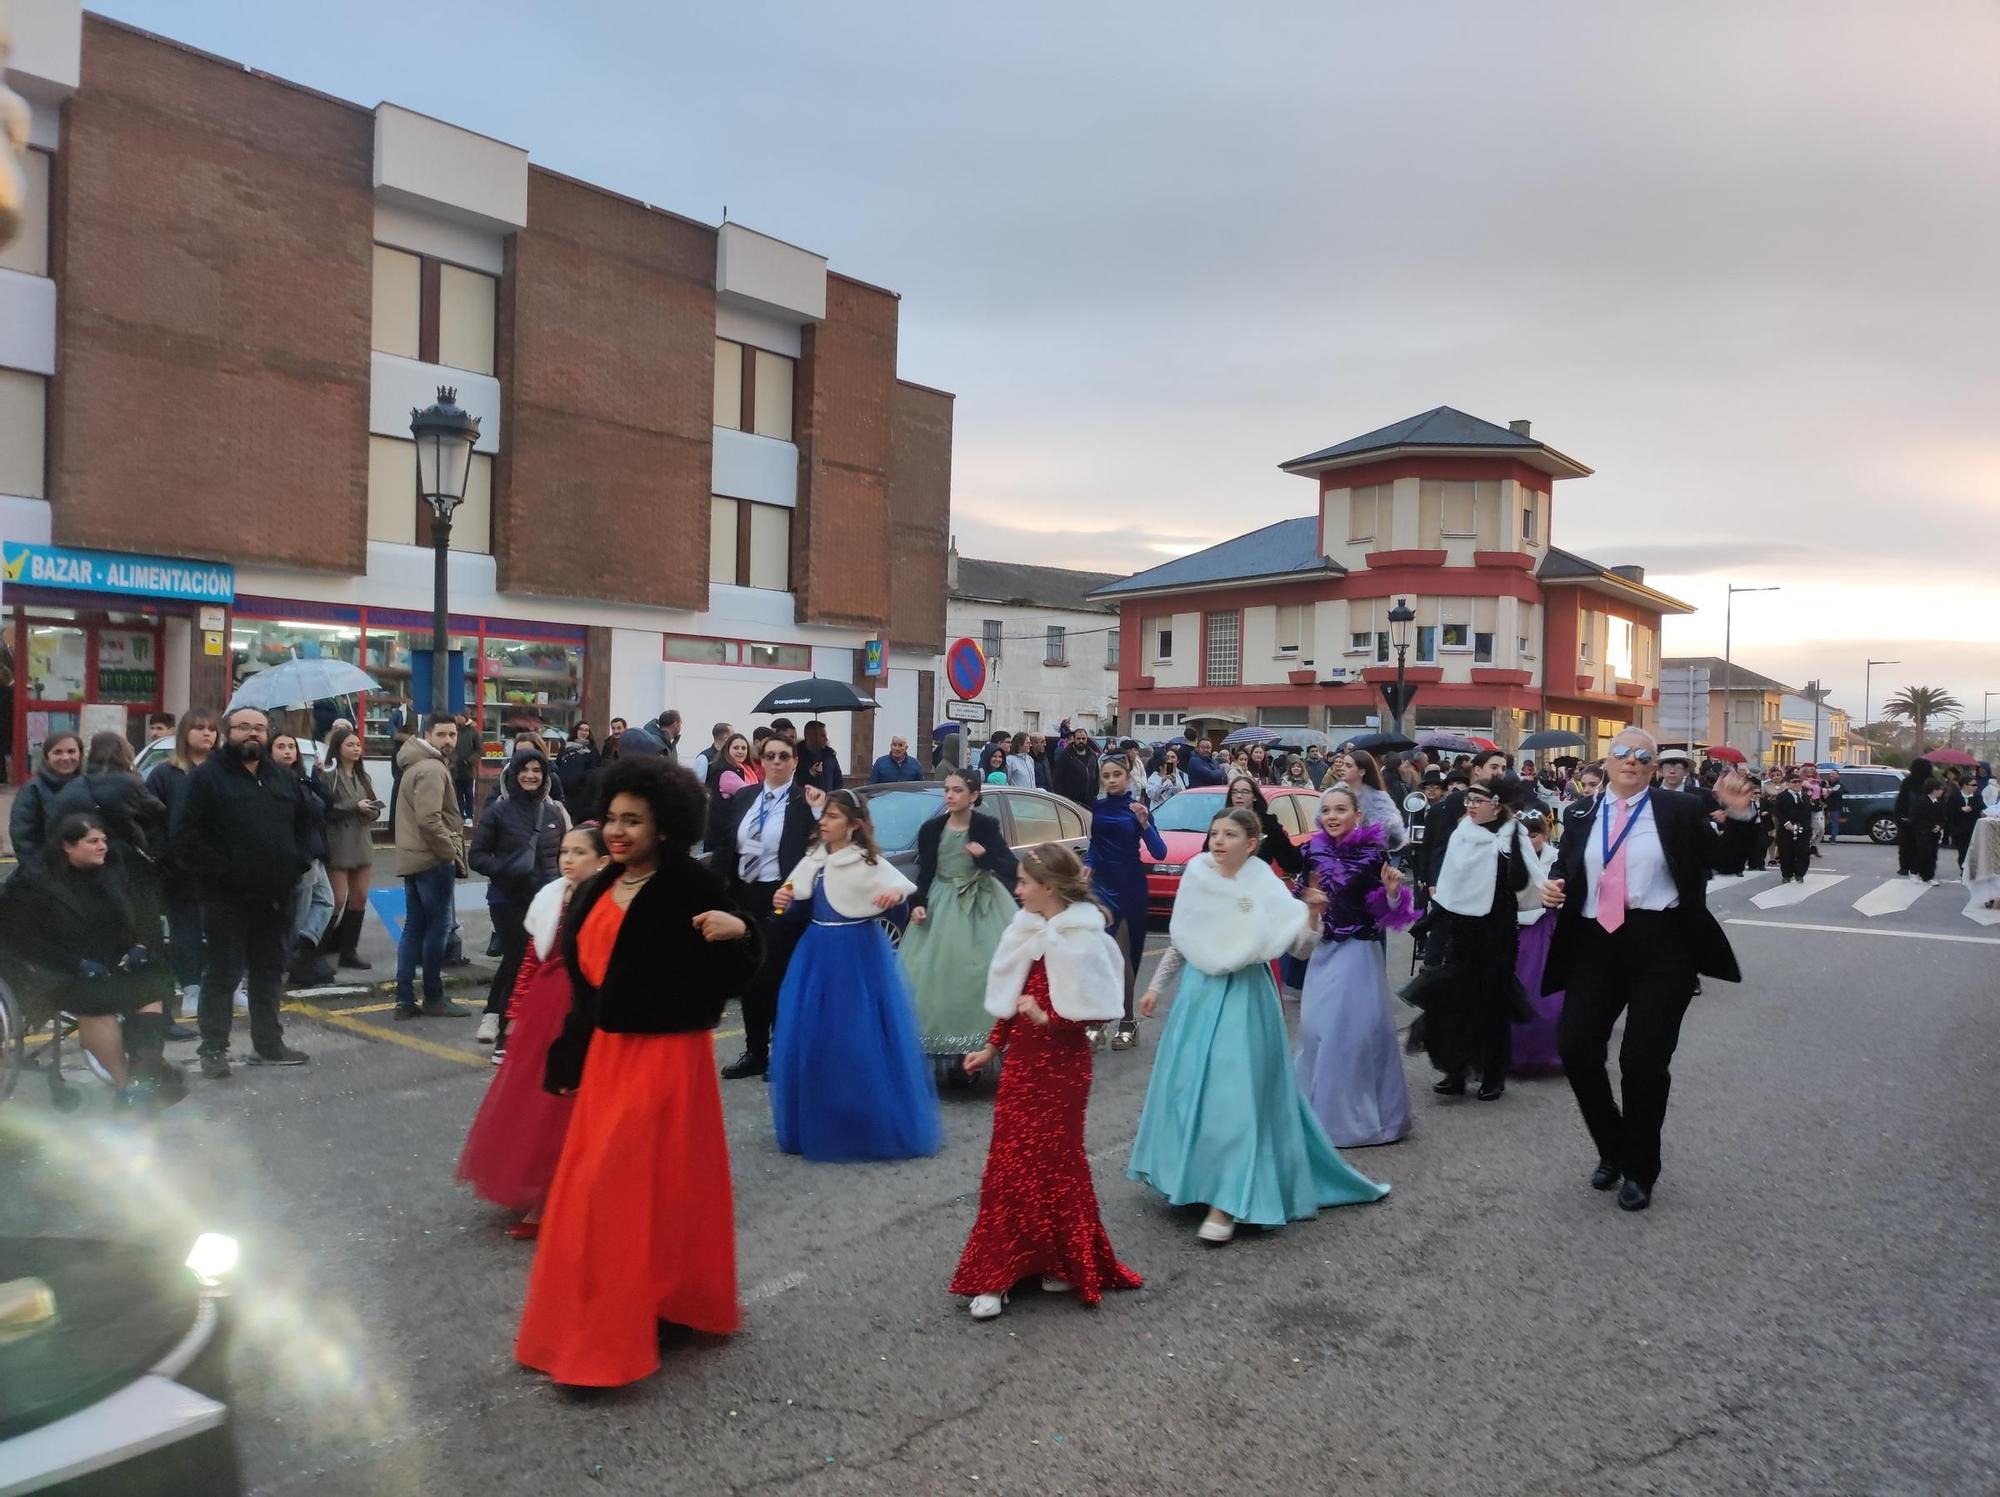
768, 828
1634, 931
1073, 770
1791, 815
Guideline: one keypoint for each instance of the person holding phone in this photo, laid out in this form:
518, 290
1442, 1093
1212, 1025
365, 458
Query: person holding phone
351, 810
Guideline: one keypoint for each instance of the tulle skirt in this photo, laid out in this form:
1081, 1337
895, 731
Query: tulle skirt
1349, 1064
1535, 1040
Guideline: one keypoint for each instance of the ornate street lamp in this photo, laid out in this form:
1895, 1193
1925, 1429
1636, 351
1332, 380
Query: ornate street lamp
445, 437
1400, 619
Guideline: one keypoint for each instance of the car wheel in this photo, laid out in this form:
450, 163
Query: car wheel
1883, 829
890, 929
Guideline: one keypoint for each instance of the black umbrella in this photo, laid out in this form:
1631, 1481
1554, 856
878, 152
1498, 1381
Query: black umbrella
1552, 738
1381, 743
814, 694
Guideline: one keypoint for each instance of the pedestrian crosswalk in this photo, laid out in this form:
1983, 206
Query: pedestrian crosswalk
1873, 898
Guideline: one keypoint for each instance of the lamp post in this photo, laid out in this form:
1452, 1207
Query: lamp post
1729, 675
1400, 618
1867, 686
1985, 700
445, 436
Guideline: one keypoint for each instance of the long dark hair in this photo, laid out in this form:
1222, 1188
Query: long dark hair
1256, 793
333, 766
860, 825
1371, 772
109, 753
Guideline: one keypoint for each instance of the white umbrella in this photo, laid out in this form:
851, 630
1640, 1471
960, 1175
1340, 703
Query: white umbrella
300, 683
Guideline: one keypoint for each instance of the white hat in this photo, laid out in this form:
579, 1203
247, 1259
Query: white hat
1673, 756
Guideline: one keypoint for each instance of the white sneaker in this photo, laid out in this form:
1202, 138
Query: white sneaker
1053, 1285
489, 1029
241, 1003
988, 1306
1216, 1232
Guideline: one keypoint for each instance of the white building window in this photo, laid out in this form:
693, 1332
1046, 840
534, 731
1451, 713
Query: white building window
396, 513
750, 545
1427, 644
1295, 628
29, 253
1161, 632
24, 419
426, 309
1528, 518
753, 390
1111, 650
1365, 516
1283, 717
989, 638
1055, 646
1224, 663
1361, 619
1618, 651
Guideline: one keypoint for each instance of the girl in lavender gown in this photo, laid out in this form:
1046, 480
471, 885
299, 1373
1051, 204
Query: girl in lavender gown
1348, 1063
1534, 1052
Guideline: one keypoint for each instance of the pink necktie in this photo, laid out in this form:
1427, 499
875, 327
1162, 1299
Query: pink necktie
1611, 886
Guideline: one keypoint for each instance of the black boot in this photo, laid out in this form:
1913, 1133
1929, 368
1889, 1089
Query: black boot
151, 1082
309, 969
350, 938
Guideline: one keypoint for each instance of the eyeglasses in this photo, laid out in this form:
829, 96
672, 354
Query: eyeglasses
1627, 751
777, 758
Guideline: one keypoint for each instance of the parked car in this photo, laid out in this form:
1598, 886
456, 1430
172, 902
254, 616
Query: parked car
1027, 817
152, 755
1183, 823
1868, 801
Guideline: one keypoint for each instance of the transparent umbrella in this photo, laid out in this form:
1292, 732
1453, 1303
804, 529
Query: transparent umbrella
300, 683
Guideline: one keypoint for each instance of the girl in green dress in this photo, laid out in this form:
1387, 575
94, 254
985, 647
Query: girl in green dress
960, 910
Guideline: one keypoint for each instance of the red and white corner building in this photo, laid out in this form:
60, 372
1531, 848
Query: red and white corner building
1288, 625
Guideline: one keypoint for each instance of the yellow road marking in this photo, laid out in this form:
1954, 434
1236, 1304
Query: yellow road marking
392, 1036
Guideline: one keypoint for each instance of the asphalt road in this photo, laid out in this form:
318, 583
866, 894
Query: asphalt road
1808, 1307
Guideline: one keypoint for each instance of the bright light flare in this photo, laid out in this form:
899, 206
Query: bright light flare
212, 1256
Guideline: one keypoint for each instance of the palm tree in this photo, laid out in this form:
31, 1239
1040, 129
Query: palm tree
1919, 704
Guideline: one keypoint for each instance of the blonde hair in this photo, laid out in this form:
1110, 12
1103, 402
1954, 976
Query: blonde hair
1062, 873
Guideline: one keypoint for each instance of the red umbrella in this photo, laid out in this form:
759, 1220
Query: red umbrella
1951, 756
1724, 751
1486, 744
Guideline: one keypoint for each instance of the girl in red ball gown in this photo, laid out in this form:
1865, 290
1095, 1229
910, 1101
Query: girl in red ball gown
510, 1154
1056, 974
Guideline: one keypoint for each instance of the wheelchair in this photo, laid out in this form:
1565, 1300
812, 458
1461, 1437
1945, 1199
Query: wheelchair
22, 1018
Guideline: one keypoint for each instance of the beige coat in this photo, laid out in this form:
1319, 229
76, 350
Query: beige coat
429, 831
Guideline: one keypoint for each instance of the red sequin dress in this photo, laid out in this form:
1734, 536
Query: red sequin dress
1037, 1206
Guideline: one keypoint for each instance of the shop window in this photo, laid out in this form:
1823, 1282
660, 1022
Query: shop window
56, 668
778, 657
526, 685
391, 655
693, 649
23, 428
29, 251
128, 667
753, 389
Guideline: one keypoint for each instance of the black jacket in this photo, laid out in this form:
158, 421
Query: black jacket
573, 767
1692, 850
167, 782
519, 837
29, 823
998, 859
242, 836
133, 816
1073, 776
54, 918
792, 843
663, 977
1438, 825
1792, 809
1278, 849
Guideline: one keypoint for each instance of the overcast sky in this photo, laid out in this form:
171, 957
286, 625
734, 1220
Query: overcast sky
1738, 257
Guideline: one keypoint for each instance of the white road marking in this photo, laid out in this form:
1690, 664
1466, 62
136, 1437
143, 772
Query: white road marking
1980, 915
1723, 881
1863, 930
1785, 894
1890, 897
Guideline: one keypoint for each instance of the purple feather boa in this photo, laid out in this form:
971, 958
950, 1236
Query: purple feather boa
1349, 872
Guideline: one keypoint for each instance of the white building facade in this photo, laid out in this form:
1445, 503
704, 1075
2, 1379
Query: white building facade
1051, 655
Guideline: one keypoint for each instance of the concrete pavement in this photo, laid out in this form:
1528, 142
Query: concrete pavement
1808, 1307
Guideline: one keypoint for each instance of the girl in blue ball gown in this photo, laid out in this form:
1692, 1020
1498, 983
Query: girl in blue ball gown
849, 1078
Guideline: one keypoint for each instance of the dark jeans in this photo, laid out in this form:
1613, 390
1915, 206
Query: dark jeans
1644, 972
244, 938
184, 942
1131, 938
760, 995
464, 787
508, 925
427, 911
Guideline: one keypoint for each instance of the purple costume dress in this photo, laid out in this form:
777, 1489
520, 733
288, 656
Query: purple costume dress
1534, 1052
1348, 1063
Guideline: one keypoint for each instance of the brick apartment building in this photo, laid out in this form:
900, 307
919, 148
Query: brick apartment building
697, 476
1288, 625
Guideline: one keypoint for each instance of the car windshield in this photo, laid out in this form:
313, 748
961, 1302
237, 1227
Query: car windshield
1190, 811
898, 814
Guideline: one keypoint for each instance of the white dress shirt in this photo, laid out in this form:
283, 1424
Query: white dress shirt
757, 851
1649, 883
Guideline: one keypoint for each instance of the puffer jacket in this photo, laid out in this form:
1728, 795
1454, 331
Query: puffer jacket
519, 837
33, 814
429, 830
133, 816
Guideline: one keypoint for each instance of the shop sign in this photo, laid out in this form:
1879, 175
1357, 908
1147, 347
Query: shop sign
62, 567
874, 666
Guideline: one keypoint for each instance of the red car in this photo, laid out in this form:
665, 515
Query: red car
1183, 823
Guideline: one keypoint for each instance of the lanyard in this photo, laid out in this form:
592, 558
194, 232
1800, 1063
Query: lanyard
1610, 847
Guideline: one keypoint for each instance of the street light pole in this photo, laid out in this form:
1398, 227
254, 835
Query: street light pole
1729, 675
1399, 633
445, 436
1985, 701
1867, 689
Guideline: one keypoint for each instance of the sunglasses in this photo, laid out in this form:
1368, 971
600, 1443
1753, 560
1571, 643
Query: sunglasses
778, 757
1627, 751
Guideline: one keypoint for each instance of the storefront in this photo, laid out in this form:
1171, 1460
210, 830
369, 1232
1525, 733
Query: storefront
92, 641
519, 676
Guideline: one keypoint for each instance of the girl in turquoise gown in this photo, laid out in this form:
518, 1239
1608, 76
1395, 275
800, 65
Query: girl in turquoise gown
1224, 1122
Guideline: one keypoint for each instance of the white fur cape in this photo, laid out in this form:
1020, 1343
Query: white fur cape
545, 915
851, 881
1472, 868
1222, 925
1085, 967
1540, 862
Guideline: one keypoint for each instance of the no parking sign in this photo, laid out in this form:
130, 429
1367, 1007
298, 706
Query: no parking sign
965, 668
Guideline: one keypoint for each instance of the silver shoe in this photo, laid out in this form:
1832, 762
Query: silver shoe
1126, 1037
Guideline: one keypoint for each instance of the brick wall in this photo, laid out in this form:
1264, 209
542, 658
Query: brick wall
846, 401
919, 489
606, 356
211, 233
